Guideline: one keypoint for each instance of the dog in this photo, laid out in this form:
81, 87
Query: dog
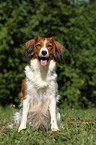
39, 90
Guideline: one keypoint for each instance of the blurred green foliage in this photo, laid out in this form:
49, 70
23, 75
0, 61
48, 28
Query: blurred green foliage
74, 26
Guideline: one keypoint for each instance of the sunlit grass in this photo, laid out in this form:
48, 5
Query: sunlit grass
79, 129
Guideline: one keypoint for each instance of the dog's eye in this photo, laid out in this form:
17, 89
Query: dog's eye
49, 45
39, 45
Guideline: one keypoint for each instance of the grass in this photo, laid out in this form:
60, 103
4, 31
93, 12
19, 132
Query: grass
79, 129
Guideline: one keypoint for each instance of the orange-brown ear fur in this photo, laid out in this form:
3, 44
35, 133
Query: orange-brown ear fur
30, 42
58, 51
30, 47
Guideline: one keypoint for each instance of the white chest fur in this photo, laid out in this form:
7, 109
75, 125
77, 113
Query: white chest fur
41, 80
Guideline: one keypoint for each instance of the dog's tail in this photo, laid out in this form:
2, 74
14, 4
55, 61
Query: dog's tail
59, 119
17, 117
16, 120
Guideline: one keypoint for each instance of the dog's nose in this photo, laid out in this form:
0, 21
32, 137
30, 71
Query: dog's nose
44, 52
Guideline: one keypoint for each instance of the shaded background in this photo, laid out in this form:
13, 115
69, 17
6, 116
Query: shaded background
72, 23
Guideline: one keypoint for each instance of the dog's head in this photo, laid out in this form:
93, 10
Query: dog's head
44, 49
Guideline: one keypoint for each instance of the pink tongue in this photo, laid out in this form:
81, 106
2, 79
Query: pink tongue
43, 62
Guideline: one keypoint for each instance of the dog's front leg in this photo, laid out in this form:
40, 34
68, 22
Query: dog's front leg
52, 109
24, 114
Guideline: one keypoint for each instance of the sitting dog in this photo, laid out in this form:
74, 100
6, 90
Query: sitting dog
39, 90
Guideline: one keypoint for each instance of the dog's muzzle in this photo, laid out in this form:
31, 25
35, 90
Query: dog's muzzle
43, 56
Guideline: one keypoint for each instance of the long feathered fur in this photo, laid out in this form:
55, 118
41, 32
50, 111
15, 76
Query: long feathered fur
41, 87
39, 91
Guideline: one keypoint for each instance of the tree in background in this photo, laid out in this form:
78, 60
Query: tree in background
80, 67
73, 26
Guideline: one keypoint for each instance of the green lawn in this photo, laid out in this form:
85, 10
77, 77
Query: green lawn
79, 129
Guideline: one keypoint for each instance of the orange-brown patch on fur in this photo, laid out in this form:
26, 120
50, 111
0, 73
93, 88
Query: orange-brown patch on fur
23, 88
33, 46
55, 49
58, 51
51, 47
38, 45
30, 48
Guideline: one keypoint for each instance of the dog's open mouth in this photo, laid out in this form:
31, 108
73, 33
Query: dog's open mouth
43, 60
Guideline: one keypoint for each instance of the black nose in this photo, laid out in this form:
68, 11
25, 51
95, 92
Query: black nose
44, 52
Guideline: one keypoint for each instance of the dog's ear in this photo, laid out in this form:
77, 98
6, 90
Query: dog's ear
58, 51
30, 47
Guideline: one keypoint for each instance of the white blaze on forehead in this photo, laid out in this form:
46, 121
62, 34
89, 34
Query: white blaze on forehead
45, 42
44, 48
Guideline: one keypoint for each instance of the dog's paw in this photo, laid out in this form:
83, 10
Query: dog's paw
21, 127
55, 129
